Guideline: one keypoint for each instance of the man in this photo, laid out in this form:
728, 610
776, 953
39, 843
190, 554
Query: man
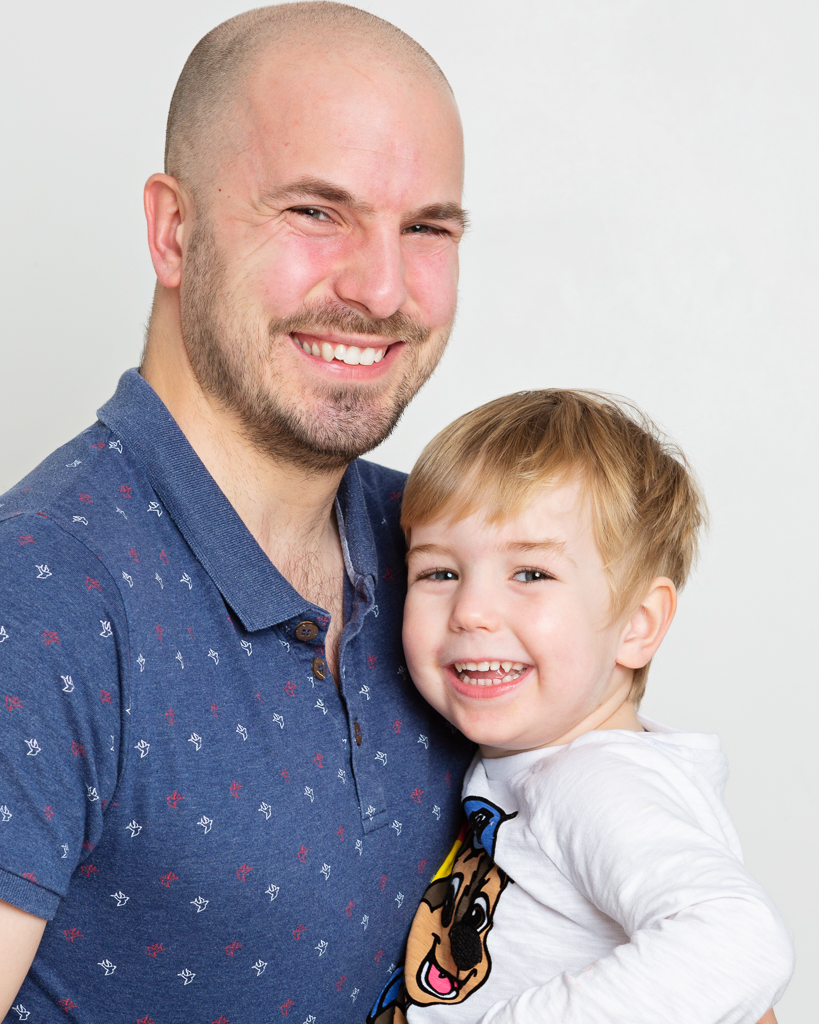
220, 797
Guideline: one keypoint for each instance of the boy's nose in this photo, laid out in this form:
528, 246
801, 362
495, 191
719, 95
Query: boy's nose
473, 611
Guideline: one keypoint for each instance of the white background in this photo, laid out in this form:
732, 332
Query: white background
642, 176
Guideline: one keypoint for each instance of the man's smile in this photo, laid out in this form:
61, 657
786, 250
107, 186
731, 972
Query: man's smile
349, 357
362, 354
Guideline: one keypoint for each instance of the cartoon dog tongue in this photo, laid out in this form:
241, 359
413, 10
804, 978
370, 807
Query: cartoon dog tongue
440, 982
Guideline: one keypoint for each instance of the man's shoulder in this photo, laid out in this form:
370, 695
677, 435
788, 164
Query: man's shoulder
88, 488
381, 481
383, 490
72, 469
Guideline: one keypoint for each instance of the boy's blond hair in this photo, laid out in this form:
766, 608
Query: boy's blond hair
646, 507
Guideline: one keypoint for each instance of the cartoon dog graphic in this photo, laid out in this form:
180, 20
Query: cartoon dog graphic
447, 953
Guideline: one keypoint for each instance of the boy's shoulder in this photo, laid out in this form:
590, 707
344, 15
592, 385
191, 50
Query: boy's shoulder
604, 774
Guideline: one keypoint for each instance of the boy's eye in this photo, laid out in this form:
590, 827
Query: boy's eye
531, 575
439, 575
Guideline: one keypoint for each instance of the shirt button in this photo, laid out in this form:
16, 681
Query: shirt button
306, 631
318, 668
357, 731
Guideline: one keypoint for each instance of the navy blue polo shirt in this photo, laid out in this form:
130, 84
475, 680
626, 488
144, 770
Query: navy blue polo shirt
215, 832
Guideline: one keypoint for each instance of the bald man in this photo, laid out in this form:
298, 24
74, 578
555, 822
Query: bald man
220, 797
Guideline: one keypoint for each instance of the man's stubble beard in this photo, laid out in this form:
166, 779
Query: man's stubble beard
232, 364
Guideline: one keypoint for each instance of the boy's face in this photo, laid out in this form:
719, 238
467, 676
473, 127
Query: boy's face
507, 627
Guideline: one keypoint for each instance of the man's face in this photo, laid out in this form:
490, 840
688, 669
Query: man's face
319, 282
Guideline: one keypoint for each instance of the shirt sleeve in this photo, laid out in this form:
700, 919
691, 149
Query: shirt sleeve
706, 945
63, 649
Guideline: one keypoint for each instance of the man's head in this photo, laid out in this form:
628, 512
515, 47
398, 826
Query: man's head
307, 225
498, 462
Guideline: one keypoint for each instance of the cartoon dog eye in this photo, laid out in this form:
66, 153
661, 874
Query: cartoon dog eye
465, 942
477, 916
448, 907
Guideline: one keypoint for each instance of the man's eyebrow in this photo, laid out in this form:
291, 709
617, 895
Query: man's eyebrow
442, 211
316, 188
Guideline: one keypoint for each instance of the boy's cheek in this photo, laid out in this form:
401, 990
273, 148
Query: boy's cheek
415, 637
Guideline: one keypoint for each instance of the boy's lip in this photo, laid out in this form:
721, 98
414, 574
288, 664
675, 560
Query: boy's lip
485, 683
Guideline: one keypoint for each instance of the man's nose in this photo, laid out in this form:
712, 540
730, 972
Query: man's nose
372, 279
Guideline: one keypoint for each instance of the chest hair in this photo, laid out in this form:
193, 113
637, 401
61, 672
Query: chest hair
321, 581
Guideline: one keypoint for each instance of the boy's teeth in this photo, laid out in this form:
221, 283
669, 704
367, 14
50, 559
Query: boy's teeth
488, 666
505, 672
352, 355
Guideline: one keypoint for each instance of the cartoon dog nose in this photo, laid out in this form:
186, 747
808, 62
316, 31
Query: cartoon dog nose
465, 945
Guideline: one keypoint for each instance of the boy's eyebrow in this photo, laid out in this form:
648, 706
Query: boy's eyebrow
545, 546
548, 546
428, 549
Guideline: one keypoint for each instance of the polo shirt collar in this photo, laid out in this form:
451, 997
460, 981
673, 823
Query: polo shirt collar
247, 579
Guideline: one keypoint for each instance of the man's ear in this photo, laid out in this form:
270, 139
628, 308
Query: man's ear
648, 625
169, 213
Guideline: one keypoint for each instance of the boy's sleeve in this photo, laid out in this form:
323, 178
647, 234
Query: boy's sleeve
706, 945
63, 651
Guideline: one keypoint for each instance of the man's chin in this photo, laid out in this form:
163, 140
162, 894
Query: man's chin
329, 439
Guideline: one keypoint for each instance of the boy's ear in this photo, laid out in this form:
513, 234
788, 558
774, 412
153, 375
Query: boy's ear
645, 629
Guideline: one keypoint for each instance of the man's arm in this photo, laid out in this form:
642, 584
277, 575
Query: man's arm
769, 1018
20, 935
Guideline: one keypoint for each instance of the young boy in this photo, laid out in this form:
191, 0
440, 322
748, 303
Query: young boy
600, 878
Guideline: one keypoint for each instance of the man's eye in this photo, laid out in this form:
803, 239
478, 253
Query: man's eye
312, 212
424, 229
531, 575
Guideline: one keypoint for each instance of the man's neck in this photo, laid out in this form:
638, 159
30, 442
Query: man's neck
284, 506
288, 509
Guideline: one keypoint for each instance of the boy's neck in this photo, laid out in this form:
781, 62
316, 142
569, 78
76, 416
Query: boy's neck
618, 712
625, 717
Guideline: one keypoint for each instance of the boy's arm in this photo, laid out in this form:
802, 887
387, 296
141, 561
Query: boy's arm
703, 937
20, 935
769, 1018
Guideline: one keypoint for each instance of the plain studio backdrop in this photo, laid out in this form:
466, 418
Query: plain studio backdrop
642, 177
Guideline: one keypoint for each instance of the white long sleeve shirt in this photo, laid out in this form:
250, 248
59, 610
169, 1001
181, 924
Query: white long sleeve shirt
627, 903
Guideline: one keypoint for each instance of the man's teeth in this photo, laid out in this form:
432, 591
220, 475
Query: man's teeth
504, 671
352, 355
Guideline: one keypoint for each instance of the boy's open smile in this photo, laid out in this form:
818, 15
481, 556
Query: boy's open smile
482, 678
